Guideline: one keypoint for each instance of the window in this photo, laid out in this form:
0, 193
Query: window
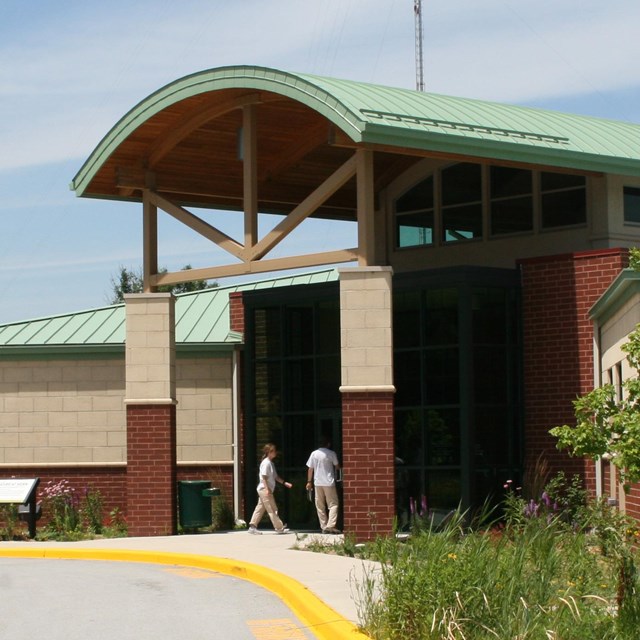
632, 204
511, 200
449, 206
414, 215
461, 202
563, 199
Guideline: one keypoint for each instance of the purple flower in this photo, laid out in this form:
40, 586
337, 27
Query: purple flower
531, 509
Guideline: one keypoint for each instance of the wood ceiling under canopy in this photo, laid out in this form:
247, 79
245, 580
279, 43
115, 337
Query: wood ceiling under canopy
191, 153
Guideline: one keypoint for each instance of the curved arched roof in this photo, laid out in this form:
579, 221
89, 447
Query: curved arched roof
296, 109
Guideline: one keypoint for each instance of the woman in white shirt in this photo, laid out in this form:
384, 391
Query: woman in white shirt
267, 478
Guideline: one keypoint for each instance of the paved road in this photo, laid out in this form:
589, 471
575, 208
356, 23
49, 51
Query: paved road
92, 600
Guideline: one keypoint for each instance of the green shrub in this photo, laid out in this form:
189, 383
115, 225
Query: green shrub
9, 516
222, 514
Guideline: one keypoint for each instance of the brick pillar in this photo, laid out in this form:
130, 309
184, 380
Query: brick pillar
557, 293
151, 415
367, 401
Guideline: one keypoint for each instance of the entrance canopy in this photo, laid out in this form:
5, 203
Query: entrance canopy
254, 139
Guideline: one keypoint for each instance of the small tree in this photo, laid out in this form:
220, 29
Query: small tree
605, 424
132, 281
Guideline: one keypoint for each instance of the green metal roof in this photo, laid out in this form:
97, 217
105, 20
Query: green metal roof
202, 320
407, 118
626, 285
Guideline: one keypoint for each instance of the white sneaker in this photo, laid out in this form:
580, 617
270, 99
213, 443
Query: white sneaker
281, 531
254, 531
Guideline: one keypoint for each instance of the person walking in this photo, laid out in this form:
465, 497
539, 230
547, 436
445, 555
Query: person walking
322, 468
267, 479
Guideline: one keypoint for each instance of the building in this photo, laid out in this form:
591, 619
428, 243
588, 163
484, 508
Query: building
438, 363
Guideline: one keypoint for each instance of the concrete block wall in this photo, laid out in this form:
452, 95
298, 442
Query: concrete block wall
62, 412
204, 411
366, 327
72, 411
150, 347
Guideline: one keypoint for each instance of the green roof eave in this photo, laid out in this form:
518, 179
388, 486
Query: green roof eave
507, 151
205, 349
102, 352
626, 284
62, 352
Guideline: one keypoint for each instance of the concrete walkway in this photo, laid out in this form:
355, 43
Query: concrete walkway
318, 587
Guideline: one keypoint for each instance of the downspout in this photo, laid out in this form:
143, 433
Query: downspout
597, 382
235, 400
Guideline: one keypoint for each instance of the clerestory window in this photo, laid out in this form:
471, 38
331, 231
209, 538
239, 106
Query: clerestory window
451, 205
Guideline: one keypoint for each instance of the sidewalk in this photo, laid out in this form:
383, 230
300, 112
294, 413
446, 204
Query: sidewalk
319, 587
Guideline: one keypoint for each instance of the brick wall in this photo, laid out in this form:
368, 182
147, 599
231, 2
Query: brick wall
558, 292
236, 312
110, 481
368, 461
151, 470
220, 476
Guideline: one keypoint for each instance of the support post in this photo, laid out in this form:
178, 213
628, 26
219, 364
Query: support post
367, 401
151, 414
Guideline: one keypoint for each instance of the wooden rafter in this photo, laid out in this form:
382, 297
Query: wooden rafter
250, 174
198, 225
303, 210
251, 256
259, 266
192, 121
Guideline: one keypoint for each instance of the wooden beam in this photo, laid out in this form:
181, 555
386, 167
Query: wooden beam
250, 175
260, 266
149, 242
366, 210
192, 121
302, 211
197, 224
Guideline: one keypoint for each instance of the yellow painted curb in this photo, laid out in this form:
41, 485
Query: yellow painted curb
321, 619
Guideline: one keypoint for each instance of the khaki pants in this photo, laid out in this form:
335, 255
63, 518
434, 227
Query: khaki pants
327, 499
266, 502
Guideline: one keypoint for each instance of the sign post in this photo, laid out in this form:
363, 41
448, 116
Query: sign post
21, 491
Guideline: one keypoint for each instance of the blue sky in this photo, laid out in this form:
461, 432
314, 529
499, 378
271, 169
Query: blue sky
69, 70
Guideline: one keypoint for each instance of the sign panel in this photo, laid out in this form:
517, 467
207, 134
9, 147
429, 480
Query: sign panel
16, 490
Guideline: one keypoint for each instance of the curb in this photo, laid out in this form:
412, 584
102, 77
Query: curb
318, 617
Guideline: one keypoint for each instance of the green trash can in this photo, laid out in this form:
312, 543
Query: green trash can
194, 503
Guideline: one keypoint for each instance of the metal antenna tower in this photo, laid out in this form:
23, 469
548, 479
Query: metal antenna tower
417, 9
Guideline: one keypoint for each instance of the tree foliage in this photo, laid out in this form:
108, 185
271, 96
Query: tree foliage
607, 425
131, 281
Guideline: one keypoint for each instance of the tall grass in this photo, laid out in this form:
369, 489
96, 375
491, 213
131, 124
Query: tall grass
534, 579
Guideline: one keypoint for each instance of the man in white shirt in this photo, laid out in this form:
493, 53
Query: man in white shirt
322, 468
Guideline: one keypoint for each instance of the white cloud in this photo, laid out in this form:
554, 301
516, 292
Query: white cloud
64, 89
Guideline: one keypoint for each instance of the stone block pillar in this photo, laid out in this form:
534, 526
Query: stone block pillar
367, 400
151, 414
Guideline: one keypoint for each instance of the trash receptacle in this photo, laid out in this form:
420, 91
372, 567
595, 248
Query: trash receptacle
194, 503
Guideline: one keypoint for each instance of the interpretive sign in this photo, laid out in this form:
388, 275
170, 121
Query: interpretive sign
17, 490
